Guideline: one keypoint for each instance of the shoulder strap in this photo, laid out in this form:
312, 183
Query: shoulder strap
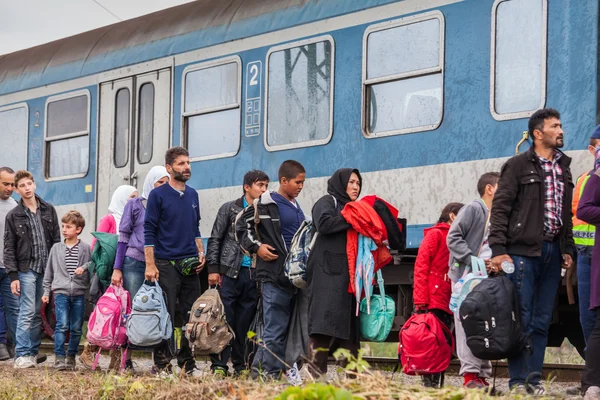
256, 217
485, 228
334, 200
381, 285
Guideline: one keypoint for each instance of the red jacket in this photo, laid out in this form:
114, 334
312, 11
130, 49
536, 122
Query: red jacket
432, 286
366, 221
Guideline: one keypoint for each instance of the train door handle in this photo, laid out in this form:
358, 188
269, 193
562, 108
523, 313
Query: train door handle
125, 177
133, 178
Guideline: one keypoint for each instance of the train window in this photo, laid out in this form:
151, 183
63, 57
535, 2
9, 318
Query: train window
300, 94
403, 81
518, 78
67, 135
212, 114
146, 123
13, 135
122, 122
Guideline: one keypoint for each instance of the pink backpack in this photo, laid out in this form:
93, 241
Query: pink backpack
106, 326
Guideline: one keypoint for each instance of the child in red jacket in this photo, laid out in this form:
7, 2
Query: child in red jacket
432, 288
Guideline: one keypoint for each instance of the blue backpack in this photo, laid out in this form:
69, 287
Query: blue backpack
297, 258
468, 281
149, 323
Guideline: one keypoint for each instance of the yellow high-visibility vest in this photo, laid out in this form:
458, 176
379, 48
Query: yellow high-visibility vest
583, 233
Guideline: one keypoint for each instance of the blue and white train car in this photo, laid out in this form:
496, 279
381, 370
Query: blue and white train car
422, 96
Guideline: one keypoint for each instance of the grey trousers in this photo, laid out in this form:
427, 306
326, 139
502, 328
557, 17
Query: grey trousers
468, 362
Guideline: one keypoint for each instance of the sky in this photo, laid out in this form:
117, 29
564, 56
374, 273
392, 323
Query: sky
28, 23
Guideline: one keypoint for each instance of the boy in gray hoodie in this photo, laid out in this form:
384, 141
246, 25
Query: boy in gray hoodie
468, 237
67, 276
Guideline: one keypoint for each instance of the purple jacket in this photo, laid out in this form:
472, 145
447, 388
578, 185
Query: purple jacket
589, 211
131, 233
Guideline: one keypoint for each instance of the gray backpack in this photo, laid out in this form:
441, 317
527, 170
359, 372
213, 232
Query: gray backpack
208, 331
149, 323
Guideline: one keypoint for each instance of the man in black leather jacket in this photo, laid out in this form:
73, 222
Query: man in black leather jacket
531, 227
32, 229
228, 263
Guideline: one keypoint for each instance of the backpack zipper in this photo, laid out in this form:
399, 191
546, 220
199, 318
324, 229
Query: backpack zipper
487, 327
493, 322
487, 343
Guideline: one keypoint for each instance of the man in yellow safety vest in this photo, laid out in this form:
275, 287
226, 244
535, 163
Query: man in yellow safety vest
583, 234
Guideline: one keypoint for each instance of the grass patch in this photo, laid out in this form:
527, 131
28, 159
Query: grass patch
48, 384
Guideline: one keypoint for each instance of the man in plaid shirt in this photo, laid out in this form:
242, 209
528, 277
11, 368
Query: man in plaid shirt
532, 228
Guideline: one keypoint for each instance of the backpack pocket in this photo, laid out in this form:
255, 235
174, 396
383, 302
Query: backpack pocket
143, 328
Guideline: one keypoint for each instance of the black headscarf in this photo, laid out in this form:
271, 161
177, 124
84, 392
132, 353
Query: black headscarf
337, 184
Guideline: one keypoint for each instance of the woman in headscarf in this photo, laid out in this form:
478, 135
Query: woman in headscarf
130, 263
110, 222
332, 322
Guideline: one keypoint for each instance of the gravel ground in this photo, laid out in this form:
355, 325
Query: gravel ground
144, 364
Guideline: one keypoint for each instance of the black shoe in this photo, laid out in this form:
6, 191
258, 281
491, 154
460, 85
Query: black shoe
432, 381
4, 354
11, 350
40, 358
70, 362
129, 366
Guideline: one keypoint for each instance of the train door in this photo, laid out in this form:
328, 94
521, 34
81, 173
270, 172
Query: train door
133, 132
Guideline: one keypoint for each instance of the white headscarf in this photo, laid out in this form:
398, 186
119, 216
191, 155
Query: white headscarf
154, 175
118, 201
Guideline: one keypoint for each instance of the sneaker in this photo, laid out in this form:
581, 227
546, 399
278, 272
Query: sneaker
592, 393
472, 381
194, 373
25, 362
60, 364
115, 360
293, 376
520, 389
87, 357
70, 362
161, 372
4, 354
537, 390
573, 391
40, 358
219, 372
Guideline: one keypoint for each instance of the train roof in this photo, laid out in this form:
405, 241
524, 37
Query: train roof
148, 37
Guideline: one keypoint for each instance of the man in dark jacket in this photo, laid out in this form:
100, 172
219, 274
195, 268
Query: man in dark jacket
32, 229
269, 235
532, 228
226, 259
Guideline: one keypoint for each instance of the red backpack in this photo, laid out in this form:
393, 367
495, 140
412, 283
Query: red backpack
426, 345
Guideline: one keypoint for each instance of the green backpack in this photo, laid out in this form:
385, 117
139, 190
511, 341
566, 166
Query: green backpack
376, 326
103, 256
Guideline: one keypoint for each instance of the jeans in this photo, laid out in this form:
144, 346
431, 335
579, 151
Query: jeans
29, 323
586, 316
591, 373
186, 289
277, 309
9, 310
133, 275
239, 298
69, 312
536, 280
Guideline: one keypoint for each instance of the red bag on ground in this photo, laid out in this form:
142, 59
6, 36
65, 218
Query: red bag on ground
426, 345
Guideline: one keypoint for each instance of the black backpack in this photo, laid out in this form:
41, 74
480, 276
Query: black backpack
491, 318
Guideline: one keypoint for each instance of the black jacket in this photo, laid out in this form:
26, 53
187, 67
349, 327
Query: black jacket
517, 219
18, 246
224, 255
269, 232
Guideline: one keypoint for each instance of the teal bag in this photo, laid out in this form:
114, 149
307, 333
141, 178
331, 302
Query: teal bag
376, 326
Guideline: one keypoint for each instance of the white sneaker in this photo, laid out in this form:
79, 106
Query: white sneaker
25, 362
293, 376
593, 393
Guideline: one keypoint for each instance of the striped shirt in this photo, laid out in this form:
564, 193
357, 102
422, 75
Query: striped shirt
40, 251
554, 194
72, 258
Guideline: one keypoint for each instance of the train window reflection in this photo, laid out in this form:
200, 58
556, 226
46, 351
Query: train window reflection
403, 82
145, 123
300, 95
13, 136
519, 58
212, 112
67, 150
122, 128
